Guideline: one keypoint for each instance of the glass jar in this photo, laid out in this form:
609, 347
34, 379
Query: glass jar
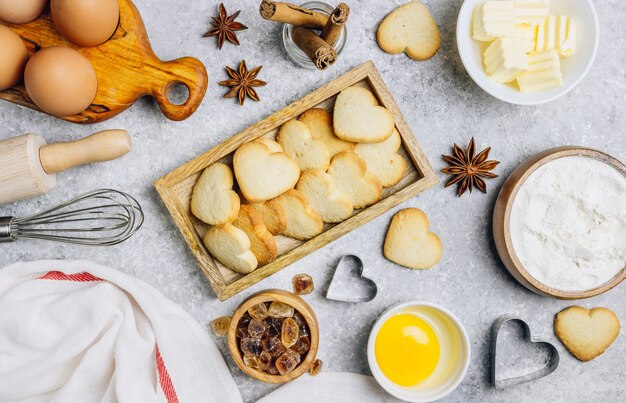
294, 52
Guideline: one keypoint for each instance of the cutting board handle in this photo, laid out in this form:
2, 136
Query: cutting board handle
189, 72
102, 146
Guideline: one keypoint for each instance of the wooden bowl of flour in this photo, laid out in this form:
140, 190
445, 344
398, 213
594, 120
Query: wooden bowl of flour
502, 221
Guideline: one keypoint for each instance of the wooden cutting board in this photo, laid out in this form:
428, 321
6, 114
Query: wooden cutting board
176, 187
126, 68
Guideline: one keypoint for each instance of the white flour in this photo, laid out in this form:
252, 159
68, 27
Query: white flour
568, 223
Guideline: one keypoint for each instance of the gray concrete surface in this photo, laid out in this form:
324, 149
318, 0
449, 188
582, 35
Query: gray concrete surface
442, 105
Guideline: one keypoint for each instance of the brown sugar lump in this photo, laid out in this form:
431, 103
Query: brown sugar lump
277, 344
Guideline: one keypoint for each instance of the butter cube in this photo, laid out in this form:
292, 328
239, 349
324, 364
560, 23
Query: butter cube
527, 34
505, 59
557, 32
493, 19
531, 12
568, 47
544, 72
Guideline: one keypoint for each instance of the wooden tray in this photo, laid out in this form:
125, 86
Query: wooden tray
126, 68
176, 187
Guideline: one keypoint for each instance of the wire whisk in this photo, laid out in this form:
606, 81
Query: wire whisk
102, 217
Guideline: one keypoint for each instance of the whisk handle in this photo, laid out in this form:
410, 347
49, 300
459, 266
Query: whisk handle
102, 146
5, 229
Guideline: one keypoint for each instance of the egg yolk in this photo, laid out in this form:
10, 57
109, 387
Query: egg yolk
406, 349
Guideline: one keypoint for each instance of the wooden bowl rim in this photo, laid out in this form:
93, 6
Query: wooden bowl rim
535, 162
299, 305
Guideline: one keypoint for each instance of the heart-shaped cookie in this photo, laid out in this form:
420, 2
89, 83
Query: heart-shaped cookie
586, 333
409, 241
297, 141
359, 118
348, 283
302, 221
263, 171
383, 160
324, 195
411, 29
320, 122
551, 363
262, 243
231, 247
273, 215
213, 200
350, 174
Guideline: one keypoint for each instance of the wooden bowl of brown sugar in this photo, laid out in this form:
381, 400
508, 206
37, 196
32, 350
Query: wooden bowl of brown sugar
273, 336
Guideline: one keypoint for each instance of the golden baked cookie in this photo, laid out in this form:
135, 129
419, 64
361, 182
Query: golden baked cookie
320, 122
263, 171
302, 221
383, 160
297, 141
409, 241
325, 197
411, 29
350, 173
262, 242
586, 333
231, 247
213, 200
358, 117
273, 215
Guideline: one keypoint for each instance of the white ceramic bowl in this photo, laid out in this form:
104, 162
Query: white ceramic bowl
574, 68
454, 359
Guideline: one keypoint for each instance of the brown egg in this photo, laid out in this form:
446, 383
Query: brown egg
13, 58
85, 22
60, 81
21, 11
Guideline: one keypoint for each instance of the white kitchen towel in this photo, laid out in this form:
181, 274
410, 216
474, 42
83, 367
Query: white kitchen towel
75, 331
331, 387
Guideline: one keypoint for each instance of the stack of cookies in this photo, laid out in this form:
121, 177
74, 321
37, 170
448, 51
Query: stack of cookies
319, 169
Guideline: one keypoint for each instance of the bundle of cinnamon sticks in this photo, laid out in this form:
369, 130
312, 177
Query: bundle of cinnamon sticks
314, 32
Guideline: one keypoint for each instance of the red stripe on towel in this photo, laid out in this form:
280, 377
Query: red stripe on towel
80, 277
165, 380
164, 377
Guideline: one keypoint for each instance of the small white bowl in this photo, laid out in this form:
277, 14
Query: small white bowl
574, 68
449, 331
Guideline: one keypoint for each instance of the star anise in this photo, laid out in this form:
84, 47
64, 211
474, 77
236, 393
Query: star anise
242, 82
468, 169
224, 27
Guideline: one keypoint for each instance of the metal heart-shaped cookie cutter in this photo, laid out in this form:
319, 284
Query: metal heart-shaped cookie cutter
344, 286
549, 368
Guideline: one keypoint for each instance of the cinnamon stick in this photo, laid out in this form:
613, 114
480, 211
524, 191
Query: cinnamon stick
335, 23
320, 52
292, 14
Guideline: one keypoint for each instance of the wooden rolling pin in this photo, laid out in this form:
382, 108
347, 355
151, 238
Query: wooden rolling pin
28, 165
